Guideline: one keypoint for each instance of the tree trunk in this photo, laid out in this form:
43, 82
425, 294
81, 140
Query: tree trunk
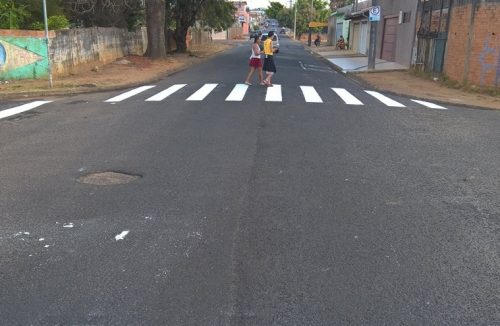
155, 21
180, 35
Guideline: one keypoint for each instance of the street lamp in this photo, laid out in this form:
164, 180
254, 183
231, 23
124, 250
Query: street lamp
47, 40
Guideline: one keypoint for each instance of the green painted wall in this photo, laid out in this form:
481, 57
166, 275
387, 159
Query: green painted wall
24, 58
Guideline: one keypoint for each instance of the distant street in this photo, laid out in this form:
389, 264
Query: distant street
317, 201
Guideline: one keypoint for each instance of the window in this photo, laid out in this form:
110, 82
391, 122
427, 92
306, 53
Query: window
406, 17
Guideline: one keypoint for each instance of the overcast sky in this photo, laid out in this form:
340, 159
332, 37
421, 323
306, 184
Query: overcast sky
264, 3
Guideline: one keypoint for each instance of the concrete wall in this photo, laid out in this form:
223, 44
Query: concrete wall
23, 54
76, 49
473, 49
405, 31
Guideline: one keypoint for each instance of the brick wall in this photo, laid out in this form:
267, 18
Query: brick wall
473, 50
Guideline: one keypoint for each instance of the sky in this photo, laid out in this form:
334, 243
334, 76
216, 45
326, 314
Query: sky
264, 3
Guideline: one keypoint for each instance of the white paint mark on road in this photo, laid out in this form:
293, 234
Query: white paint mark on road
21, 108
430, 105
166, 93
129, 94
347, 97
384, 99
195, 234
238, 93
273, 94
310, 94
203, 92
122, 235
302, 65
68, 225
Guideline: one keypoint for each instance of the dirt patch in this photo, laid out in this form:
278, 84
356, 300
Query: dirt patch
131, 70
409, 84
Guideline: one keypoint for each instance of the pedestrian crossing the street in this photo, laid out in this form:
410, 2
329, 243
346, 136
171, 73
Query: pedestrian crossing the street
239, 92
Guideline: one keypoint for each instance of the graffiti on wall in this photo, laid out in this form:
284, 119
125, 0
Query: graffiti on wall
489, 58
22, 57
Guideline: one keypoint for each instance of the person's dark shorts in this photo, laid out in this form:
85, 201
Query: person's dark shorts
269, 64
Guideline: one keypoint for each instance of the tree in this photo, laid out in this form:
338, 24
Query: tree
335, 4
155, 20
273, 10
12, 15
184, 13
285, 17
217, 15
104, 13
305, 13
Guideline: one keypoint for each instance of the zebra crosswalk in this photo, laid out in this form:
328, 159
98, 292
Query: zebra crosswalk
273, 94
239, 92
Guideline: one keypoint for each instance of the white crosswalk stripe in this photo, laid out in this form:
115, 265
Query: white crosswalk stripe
238, 93
166, 93
203, 92
130, 93
273, 94
430, 105
347, 97
310, 94
21, 108
384, 99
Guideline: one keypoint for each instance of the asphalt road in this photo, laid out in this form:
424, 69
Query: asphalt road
250, 212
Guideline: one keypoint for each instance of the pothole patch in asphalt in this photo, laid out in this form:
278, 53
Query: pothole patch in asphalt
108, 178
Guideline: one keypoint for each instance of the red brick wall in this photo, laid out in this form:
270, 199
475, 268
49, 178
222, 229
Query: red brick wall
473, 50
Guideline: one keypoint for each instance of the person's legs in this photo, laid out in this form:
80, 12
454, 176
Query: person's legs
269, 76
250, 73
261, 76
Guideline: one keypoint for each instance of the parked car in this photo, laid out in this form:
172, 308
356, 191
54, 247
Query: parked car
255, 33
276, 41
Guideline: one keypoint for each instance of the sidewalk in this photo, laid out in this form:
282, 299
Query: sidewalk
349, 61
395, 78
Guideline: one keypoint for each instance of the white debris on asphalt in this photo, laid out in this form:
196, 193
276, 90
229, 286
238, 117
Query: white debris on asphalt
68, 225
122, 235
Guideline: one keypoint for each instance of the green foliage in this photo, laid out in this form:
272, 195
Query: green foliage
58, 22
37, 26
340, 3
217, 15
54, 22
285, 17
305, 13
104, 13
273, 10
12, 14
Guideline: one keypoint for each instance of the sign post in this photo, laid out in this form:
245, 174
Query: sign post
374, 18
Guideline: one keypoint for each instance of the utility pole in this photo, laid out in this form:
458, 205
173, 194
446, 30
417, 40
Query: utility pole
373, 41
47, 40
310, 20
295, 22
